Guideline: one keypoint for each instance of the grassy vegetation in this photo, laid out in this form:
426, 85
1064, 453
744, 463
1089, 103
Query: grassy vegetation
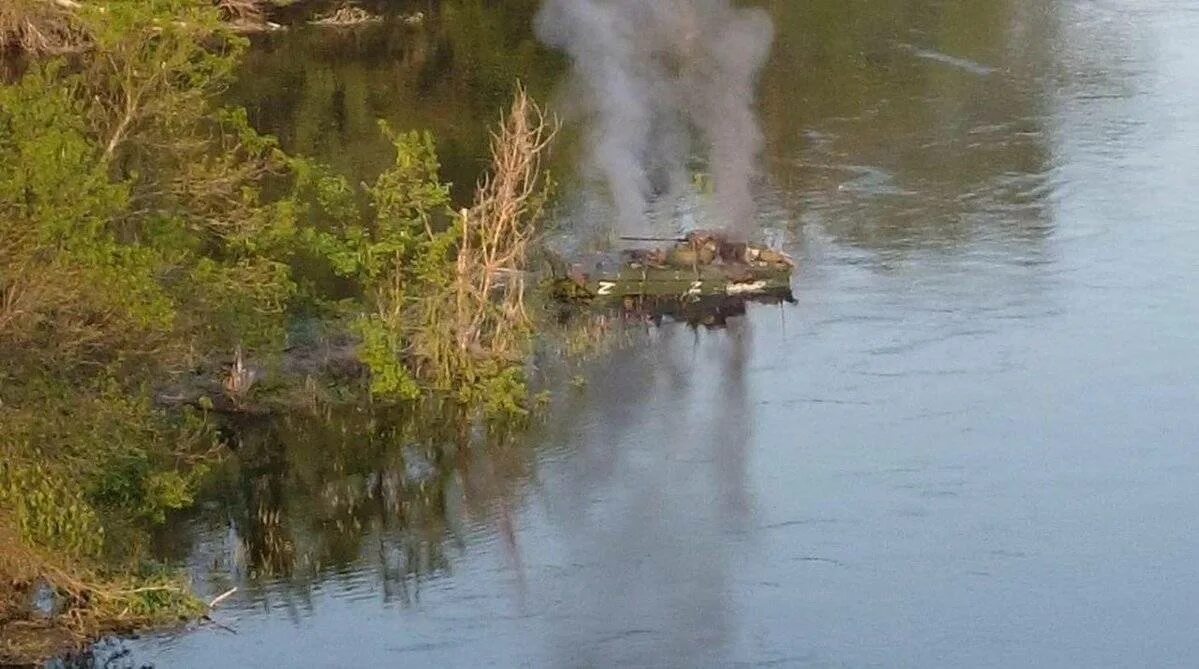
147, 232
450, 312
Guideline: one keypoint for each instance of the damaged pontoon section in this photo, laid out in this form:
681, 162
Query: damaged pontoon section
700, 265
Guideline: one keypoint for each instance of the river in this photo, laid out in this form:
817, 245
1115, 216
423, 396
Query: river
972, 442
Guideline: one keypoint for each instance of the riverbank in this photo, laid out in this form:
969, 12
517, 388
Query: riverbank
967, 445
149, 234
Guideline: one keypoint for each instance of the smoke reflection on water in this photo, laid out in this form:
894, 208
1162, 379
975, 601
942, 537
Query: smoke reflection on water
651, 531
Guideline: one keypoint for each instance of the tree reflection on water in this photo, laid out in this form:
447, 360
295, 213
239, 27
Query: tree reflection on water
347, 494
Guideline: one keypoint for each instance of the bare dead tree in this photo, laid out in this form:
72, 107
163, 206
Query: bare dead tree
497, 231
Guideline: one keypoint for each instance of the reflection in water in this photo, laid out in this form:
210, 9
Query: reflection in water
873, 134
347, 494
321, 92
658, 503
904, 127
970, 443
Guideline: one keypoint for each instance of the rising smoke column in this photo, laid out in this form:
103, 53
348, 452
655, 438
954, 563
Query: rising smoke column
657, 75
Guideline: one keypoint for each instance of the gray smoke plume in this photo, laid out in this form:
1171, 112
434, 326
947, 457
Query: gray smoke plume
659, 76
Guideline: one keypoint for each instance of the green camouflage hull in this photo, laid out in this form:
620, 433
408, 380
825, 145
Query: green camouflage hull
700, 265
701, 281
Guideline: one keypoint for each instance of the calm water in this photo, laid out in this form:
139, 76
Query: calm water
973, 441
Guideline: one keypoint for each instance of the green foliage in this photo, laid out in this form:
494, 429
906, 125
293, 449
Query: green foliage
382, 351
48, 511
77, 459
398, 258
407, 199
146, 230
239, 303
502, 392
408, 195
52, 179
140, 230
133, 214
73, 290
136, 486
420, 334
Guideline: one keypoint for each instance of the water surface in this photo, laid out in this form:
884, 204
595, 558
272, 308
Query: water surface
971, 442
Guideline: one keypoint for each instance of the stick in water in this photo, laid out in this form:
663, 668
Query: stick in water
222, 597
